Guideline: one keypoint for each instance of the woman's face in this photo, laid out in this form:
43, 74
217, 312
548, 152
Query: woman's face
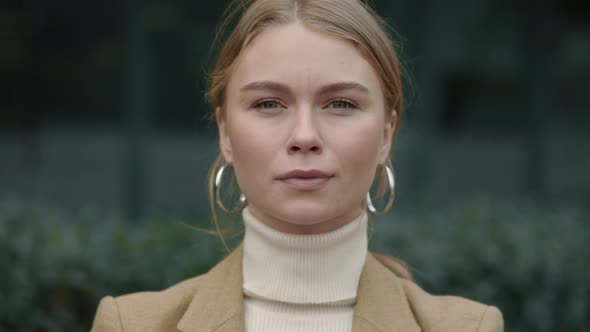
304, 126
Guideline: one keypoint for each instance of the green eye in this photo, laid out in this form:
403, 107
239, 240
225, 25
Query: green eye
341, 104
267, 104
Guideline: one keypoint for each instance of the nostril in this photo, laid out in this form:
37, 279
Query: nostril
299, 148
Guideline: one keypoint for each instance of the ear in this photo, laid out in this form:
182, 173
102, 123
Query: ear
388, 133
224, 140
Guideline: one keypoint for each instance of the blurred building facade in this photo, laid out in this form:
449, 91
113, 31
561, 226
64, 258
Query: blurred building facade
103, 102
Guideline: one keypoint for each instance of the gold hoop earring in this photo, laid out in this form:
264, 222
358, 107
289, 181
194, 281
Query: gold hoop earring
218, 178
391, 182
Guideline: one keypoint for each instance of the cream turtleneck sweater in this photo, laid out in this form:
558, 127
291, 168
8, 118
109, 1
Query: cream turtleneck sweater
296, 282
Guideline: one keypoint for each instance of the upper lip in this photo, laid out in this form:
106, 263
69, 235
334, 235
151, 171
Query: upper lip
305, 174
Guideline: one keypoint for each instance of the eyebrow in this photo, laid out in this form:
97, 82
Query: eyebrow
283, 88
339, 86
266, 85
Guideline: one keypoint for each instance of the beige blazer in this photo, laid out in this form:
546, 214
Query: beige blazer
214, 302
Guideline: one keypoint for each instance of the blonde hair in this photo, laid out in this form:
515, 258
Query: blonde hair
353, 20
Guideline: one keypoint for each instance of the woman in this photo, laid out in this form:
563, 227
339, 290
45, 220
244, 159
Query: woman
307, 98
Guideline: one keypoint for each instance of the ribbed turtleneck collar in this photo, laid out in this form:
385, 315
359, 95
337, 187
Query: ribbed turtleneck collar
309, 268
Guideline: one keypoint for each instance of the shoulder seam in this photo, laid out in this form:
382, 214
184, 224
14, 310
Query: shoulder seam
118, 314
482, 317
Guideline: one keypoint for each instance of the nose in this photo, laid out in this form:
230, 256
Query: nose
305, 136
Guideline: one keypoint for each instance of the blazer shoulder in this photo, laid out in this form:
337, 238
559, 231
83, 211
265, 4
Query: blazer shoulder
451, 313
107, 317
146, 311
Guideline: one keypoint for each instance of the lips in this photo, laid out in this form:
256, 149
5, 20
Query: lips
305, 180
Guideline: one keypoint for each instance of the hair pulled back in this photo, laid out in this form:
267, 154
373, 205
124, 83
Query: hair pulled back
352, 20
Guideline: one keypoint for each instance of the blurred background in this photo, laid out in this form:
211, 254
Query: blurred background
105, 147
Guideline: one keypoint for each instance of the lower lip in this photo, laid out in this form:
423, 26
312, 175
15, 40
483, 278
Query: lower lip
308, 184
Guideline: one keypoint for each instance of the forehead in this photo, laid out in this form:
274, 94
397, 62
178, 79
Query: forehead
302, 57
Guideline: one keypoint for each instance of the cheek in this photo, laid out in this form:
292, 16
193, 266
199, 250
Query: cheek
358, 149
252, 150
252, 141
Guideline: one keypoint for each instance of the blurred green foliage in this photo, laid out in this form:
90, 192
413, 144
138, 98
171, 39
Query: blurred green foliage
528, 259
56, 268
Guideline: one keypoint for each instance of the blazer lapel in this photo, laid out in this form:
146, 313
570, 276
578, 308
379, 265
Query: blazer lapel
218, 303
381, 304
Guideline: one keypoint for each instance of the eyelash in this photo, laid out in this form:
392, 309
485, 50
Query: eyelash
348, 104
260, 103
